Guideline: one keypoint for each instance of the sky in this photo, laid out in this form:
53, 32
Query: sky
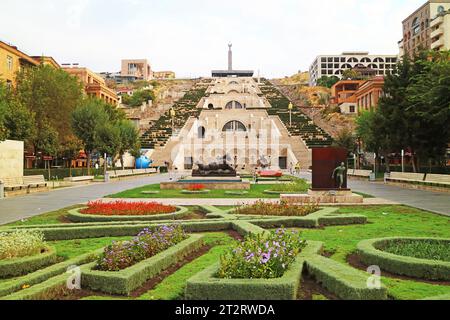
190, 37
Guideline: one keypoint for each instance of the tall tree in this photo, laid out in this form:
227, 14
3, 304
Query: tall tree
129, 139
52, 94
107, 140
327, 82
86, 119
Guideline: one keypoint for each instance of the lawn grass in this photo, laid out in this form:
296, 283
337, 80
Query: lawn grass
386, 221
53, 217
68, 249
256, 191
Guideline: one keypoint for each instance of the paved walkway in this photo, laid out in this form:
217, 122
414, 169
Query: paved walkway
14, 209
17, 208
437, 202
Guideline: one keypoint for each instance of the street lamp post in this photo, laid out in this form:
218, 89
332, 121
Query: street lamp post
403, 160
290, 107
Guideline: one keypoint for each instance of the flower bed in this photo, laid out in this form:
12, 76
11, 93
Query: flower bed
371, 252
123, 282
75, 215
261, 208
123, 254
196, 189
23, 251
262, 257
124, 208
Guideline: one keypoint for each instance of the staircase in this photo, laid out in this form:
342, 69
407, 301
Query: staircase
302, 125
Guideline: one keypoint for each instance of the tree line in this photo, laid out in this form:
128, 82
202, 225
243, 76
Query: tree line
414, 112
48, 110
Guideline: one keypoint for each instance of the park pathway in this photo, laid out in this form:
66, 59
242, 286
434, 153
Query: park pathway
18, 208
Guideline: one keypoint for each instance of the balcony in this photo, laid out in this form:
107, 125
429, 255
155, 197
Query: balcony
437, 44
436, 33
437, 21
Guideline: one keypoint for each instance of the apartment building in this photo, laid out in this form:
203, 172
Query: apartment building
137, 68
12, 60
426, 28
94, 84
335, 65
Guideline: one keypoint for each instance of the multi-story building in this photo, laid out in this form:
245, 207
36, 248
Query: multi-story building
343, 94
369, 93
425, 28
94, 84
335, 65
138, 68
12, 61
440, 30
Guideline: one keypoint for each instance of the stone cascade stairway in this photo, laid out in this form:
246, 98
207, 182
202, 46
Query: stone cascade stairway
302, 125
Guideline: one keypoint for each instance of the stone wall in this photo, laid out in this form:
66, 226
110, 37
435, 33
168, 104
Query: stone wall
11, 159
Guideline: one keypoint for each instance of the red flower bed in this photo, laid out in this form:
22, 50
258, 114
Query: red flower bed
196, 187
123, 208
270, 174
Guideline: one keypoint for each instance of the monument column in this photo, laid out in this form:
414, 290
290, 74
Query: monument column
230, 58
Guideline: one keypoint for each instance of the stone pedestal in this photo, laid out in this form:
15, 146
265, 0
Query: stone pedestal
330, 196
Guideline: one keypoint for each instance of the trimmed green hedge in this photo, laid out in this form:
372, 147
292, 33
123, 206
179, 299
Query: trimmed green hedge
99, 230
20, 266
344, 281
125, 281
47, 290
245, 228
441, 297
75, 215
14, 285
403, 265
205, 286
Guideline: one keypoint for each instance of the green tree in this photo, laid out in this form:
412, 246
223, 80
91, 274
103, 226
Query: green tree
51, 94
327, 82
345, 139
85, 121
351, 74
108, 140
129, 139
16, 121
46, 141
71, 149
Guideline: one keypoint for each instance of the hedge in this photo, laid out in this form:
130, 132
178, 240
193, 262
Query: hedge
13, 285
206, 286
344, 281
20, 266
98, 230
403, 265
47, 290
75, 215
245, 228
125, 281
441, 297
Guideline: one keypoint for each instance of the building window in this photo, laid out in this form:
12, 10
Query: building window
352, 109
201, 132
9, 63
234, 126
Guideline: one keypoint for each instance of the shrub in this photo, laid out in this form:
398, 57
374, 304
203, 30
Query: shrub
123, 208
298, 185
123, 254
196, 187
21, 243
262, 257
276, 209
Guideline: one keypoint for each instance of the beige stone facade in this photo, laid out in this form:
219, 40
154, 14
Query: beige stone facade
11, 159
234, 123
418, 32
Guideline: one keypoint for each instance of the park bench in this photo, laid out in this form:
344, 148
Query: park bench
359, 173
12, 184
79, 179
34, 181
438, 179
406, 177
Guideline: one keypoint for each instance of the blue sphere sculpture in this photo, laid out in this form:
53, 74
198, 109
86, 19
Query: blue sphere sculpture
143, 163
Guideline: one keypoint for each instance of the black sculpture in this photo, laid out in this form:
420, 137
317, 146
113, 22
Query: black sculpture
215, 170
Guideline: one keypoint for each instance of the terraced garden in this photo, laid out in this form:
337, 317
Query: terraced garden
207, 253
